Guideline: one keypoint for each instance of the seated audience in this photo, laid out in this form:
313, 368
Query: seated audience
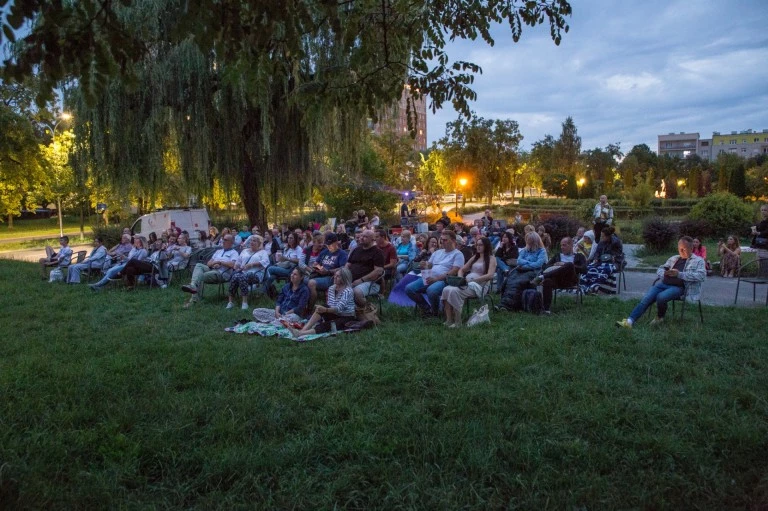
285, 261
562, 271
293, 297
249, 270
446, 261
606, 260
701, 251
339, 311
327, 265
730, 256
218, 269
680, 274
506, 256
478, 271
119, 253
60, 259
366, 262
381, 239
546, 239
139, 253
406, 252
585, 244
94, 261
530, 261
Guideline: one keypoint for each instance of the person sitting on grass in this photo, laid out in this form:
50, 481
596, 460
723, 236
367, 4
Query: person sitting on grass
94, 261
340, 309
218, 269
293, 297
60, 259
478, 271
366, 262
249, 270
562, 271
328, 263
446, 261
138, 252
681, 274
730, 256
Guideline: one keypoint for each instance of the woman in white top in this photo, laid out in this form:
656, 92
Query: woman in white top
478, 271
249, 270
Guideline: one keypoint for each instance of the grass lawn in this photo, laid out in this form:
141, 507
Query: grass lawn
125, 400
42, 227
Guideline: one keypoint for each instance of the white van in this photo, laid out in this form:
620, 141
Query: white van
191, 220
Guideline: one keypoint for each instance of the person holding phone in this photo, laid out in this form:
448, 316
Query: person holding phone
683, 272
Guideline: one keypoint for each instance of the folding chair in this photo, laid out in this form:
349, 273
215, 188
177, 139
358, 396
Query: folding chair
683, 299
760, 278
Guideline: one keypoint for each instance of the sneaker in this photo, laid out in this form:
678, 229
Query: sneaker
188, 288
624, 323
244, 306
546, 312
163, 286
229, 305
657, 321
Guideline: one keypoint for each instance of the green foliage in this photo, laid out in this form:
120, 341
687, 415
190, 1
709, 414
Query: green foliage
561, 226
154, 406
757, 180
346, 194
694, 228
658, 234
725, 213
642, 194
110, 234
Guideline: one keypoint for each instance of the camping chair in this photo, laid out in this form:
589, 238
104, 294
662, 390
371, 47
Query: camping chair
77, 257
575, 288
761, 278
683, 299
379, 296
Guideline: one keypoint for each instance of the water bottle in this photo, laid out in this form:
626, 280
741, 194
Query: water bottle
333, 328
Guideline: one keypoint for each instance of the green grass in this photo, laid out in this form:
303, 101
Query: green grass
41, 227
125, 400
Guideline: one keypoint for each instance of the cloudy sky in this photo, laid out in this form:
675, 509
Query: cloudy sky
627, 71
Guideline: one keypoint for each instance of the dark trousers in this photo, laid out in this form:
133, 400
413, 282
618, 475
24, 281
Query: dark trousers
134, 268
516, 283
566, 277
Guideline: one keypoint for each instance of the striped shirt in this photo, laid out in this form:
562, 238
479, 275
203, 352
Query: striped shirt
344, 302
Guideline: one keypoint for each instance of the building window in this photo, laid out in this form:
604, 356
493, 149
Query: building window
743, 149
704, 144
743, 140
757, 139
722, 142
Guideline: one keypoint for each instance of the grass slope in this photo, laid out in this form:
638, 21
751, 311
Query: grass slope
119, 399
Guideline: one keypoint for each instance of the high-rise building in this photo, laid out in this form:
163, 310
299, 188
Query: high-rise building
746, 143
395, 118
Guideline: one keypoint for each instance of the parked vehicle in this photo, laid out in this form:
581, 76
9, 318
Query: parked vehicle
190, 220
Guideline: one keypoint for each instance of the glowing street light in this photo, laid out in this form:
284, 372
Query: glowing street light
462, 182
580, 184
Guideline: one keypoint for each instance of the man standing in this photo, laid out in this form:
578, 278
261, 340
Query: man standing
562, 270
366, 262
682, 272
602, 215
219, 268
444, 262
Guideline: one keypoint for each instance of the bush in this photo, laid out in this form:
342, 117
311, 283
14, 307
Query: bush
658, 234
694, 228
725, 213
110, 234
558, 227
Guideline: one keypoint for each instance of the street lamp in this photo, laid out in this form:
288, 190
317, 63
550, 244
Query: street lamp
65, 116
462, 182
580, 185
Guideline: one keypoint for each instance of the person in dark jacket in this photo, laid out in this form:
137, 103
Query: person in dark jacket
562, 271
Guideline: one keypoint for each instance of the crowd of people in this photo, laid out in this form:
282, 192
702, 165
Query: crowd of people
434, 271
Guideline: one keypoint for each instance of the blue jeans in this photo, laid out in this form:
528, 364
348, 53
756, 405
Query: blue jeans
661, 294
501, 267
415, 291
275, 272
110, 274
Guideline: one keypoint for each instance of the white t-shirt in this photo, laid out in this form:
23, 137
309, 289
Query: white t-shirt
293, 253
230, 255
248, 257
442, 262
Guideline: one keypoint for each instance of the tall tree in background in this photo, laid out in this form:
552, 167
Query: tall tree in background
568, 148
258, 94
600, 165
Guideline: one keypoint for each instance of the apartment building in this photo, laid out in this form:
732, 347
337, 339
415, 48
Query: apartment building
395, 118
681, 144
746, 143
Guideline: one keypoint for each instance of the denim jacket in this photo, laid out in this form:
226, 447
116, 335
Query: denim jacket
693, 274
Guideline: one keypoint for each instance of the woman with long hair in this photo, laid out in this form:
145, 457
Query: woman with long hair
339, 311
479, 271
506, 256
730, 256
530, 261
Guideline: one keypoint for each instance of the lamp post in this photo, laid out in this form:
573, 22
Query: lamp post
580, 185
65, 116
462, 182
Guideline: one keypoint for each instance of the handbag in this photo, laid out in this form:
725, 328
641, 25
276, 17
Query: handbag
760, 242
479, 317
455, 281
56, 275
606, 258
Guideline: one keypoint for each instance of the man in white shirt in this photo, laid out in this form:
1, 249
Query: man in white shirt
444, 262
219, 268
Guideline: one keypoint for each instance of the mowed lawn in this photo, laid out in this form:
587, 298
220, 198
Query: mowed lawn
125, 400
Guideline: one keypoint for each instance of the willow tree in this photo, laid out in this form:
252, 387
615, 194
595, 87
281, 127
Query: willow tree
257, 93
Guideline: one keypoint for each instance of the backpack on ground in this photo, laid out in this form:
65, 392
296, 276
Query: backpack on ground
532, 301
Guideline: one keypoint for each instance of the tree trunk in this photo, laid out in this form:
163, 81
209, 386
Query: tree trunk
251, 201
10, 221
82, 220
61, 222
